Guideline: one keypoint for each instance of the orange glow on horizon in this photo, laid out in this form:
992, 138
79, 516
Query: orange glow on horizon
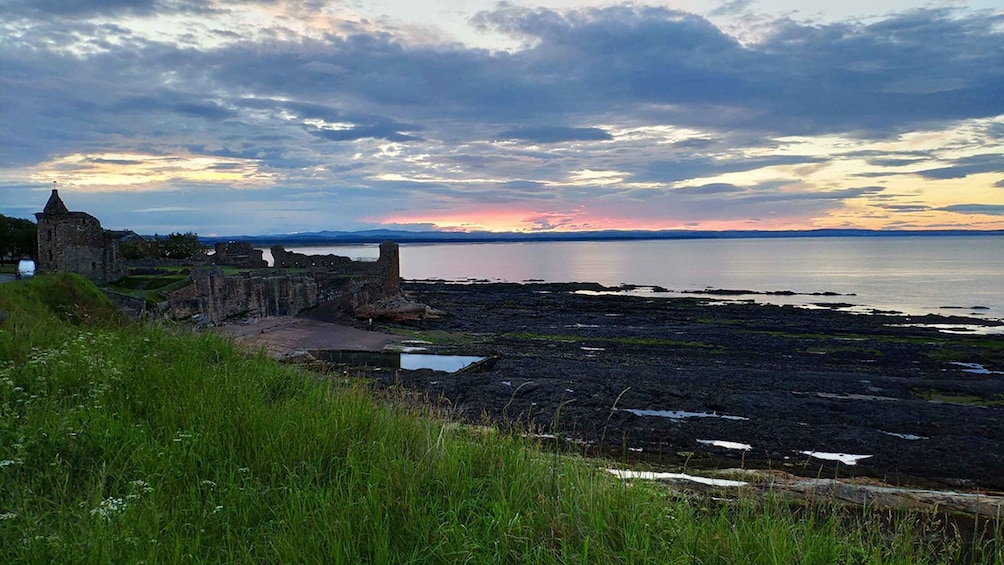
508, 220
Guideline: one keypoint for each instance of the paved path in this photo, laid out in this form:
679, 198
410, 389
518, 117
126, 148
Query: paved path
283, 336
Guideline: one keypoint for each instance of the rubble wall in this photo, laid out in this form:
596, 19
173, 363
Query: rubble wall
216, 298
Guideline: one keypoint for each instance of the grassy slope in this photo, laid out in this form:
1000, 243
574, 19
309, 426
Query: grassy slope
122, 443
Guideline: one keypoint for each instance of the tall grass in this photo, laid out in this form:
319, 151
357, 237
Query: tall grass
129, 443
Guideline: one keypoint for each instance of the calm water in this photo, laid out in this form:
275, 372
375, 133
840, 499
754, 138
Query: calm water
914, 275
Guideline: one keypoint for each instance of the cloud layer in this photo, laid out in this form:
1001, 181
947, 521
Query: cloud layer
606, 117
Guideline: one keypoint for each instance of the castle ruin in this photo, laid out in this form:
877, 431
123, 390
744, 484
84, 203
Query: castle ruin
75, 242
386, 270
240, 254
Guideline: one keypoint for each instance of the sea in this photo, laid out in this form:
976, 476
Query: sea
913, 275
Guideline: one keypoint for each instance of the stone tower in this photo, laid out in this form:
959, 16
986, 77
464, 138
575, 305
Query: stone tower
75, 242
390, 265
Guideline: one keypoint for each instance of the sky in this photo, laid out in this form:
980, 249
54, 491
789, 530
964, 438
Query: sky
277, 116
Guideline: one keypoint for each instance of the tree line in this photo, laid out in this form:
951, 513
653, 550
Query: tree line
174, 246
18, 238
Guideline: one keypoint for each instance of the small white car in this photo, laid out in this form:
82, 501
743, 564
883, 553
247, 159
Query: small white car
25, 269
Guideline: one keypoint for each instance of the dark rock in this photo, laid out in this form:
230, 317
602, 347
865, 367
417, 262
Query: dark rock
806, 380
398, 308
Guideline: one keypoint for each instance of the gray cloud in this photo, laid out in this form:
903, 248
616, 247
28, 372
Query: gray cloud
111, 8
524, 185
114, 161
894, 162
990, 209
383, 131
555, 134
904, 207
985, 163
732, 7
78, 7
805, 196
689, 168
713, 188
73, 85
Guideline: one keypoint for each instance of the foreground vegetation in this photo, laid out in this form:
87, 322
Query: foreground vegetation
126, 443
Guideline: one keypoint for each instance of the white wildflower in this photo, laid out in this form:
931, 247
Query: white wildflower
109, 506
8, 516
142, 485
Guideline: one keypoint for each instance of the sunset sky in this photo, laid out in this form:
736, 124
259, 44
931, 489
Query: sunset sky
254, 117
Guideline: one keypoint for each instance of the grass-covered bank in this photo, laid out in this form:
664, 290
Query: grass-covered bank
126, 443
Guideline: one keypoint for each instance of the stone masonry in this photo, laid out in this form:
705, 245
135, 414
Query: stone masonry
240, 254
329, 281
217, 298
75, 242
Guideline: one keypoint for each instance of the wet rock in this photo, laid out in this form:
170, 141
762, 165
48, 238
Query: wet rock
398, 308
298, 357
807, 380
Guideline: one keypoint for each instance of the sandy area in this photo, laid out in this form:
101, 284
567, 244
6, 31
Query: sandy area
282, 336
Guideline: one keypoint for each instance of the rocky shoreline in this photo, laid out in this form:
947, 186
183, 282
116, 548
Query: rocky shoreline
718, 384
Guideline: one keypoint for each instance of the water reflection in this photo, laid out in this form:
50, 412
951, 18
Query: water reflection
845, 458
679, 414
657, 476
914, 275
402, 361
726, 444
445, 363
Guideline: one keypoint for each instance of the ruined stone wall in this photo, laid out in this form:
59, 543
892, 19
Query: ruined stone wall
344, 284
240, 254
216, 298
337, 282
283, 259
135, 308
386, 270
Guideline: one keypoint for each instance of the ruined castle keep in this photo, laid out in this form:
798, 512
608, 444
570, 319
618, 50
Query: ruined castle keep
75, 242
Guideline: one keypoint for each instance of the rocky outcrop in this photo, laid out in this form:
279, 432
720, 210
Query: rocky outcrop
397, 308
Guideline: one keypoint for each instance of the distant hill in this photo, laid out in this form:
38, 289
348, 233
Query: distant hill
327, 237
